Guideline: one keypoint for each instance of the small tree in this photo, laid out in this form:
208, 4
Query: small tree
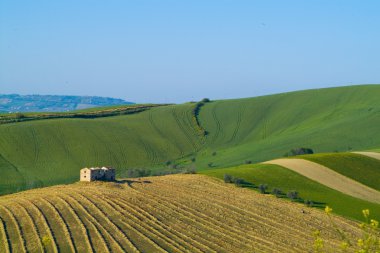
193, 159
228, 178
277, 192
309, 203
248, 161
210, 165
239, 182
205, 100
167, 163
293, 195
263, 188
213, 153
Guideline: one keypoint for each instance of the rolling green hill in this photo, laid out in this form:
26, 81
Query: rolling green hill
51, 151
263, 128
47, 152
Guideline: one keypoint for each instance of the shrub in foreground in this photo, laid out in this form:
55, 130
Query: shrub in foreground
368, 242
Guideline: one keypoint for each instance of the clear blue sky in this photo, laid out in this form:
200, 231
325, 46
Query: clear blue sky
182, 50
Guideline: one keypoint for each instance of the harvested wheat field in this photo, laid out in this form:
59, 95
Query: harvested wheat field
177, 213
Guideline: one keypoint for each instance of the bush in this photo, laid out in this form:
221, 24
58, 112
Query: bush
293, 195
248, 162
277, 192
239, 182
193, 159
190, 171
205, 100
309, 203
368, 241
299, 151
209, 165
263, 188
228, 178
138, 173
213, 153
167, 163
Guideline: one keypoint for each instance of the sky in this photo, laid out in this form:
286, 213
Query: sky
184, 50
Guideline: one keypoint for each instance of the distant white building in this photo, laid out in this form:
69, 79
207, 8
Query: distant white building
93, 174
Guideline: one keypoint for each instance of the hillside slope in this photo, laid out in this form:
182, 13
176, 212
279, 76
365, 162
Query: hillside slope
46, 152
161, 214
263, 128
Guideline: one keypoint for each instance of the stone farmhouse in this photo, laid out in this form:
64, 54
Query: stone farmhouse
94, 174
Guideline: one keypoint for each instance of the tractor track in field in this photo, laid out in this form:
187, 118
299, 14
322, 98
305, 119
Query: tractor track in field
240, 113
183, 129
218, 130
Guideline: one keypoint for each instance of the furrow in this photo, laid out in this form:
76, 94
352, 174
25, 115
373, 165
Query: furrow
34, 230
5, 237
262, 220
121, 236
227, 232
60, 225
45, 223
85, 232
134, 217
179, 236
238, 225
65, 223
136, 227
96, 227
186, 219
18, 231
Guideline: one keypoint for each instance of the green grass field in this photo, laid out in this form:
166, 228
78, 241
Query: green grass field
278, 177
51, 151
263, 128
47, 152
363, 169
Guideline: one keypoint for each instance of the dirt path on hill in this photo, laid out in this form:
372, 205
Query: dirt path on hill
370, 154
329, 178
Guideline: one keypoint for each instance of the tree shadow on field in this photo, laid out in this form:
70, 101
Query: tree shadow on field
129, 182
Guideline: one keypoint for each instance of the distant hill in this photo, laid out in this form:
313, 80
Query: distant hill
53, 103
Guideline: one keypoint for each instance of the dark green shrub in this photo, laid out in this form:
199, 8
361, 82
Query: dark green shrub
263, 188
228, 178
309, 203
299, 151
277, 192
239, 182
293, 195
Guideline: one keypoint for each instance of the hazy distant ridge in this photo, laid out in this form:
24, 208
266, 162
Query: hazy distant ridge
53, 103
